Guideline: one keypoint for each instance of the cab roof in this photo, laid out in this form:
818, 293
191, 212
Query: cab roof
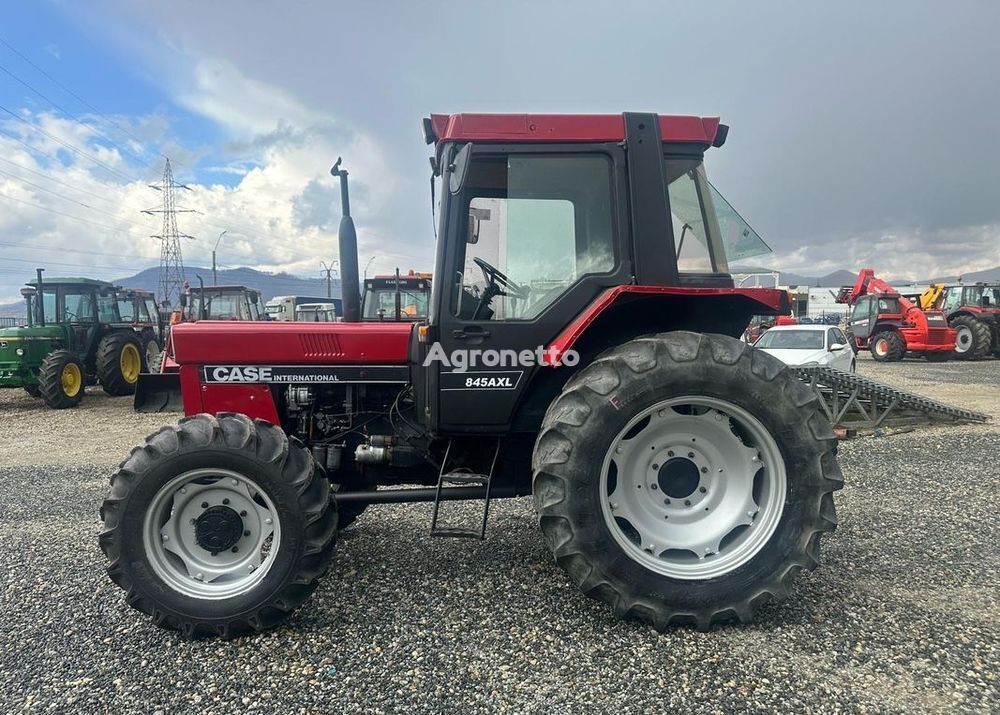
71, 281
227, 289
565, 128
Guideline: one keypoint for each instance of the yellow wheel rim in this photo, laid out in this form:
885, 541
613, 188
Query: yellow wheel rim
72, 379
131, 363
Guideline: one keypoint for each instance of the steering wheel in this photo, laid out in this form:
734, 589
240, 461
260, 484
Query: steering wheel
502, 285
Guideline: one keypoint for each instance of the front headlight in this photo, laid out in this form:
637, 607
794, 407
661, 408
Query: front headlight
19, 352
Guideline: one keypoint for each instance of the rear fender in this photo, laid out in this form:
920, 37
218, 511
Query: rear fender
630, 314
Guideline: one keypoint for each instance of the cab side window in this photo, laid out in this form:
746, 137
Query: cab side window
535, 225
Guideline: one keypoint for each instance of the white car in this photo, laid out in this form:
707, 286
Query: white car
809, 345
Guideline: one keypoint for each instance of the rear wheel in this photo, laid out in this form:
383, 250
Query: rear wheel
684, 478
972, 338
119, 362
888, 346
61, 380
218, 526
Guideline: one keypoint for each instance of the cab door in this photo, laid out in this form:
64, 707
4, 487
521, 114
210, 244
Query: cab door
533, 238
861, 322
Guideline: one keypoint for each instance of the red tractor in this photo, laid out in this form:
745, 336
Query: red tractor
890, 325
576, 349
973, 311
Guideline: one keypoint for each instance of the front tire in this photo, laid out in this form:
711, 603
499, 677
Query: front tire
888, 346
972, 339
218, 526
685, 478
61, 380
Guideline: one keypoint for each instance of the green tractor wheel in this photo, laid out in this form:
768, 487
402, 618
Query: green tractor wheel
119, 362
61, 380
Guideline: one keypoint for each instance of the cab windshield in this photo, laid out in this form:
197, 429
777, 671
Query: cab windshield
708, 231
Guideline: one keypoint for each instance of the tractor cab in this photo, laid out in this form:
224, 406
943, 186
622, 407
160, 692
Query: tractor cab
225, 302
396, 297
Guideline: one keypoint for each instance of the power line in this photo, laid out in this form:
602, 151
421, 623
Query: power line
73, 116
67, 198
36, 247
71, 93
70, 147
63, 213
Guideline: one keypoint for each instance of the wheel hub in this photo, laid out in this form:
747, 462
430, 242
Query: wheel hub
219, 528
679, 477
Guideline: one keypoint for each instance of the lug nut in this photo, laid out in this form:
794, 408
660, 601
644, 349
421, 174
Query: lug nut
655, 467
243, 513
199, 576
225, 501
164, 537
704, 470
653, 486
666, 501
702, 489
690, 455
670, 453
235, 549
246, 533
687, 502
267, 520
204, 505
236, 482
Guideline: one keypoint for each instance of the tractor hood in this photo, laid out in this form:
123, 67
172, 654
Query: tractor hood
278, 343
13, 338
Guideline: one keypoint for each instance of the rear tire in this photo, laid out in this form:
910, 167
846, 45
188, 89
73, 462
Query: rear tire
973, 340
691, 382
119, 362
888, 346
61, 380
228, 461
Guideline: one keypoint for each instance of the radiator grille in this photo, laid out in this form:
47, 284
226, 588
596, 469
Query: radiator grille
323, 345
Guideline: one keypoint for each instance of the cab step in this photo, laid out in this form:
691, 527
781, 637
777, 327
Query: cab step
463, 477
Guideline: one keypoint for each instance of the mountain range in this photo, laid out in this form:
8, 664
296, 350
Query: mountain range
272, 284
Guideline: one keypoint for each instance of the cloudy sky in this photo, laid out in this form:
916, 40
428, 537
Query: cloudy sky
862, 133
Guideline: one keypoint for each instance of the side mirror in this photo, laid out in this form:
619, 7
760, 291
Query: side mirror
459, 168
476, 217
837, 347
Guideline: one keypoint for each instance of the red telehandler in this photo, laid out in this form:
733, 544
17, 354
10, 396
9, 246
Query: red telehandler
576, 349
890, 325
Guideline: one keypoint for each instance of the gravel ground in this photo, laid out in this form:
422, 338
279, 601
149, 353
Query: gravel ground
901, 618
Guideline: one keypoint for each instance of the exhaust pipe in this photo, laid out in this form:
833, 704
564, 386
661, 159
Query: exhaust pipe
348, 238
40, 301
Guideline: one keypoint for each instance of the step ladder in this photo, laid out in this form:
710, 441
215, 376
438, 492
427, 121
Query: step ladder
459, 478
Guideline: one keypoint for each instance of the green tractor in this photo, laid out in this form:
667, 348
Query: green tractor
79, 332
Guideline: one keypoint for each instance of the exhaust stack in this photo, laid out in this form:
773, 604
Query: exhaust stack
348, 238
40, 300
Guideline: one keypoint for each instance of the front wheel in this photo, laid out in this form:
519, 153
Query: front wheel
218, 526
684, 478
61, 380
888, 346
972, 338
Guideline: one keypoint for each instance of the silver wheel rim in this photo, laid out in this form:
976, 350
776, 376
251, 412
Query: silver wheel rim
178, 514
693, 487
963, 339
